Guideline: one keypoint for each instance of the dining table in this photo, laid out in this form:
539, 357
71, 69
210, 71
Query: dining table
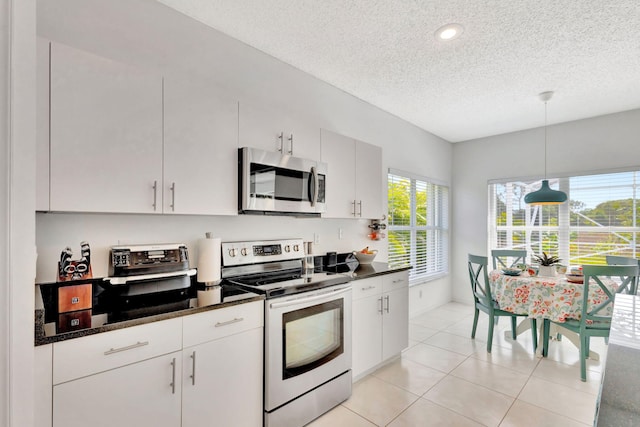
554, 298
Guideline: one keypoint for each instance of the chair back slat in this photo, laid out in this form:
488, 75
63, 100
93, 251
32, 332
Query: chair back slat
594, 276
479, 279
507, 258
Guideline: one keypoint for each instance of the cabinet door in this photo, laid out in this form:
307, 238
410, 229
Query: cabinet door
275, 130
142, 394
368, 178
395, 324
339, 153
222, 381
367, 327
106, 135
301, 139
200, 149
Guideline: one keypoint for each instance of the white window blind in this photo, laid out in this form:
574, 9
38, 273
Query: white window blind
600, 218
418, 226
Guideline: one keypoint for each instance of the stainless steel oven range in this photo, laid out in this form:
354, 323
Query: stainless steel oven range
307, 342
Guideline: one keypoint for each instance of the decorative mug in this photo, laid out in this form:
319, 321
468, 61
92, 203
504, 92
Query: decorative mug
561, 269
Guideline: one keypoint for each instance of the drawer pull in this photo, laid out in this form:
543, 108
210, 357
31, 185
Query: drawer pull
229, 322
129, 347
368, 287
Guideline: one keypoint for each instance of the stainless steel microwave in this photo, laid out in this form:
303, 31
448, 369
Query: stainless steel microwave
271, 183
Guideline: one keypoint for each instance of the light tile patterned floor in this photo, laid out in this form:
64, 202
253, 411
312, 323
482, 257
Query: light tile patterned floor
445, 378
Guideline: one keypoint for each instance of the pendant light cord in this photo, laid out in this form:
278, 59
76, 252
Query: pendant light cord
545, 139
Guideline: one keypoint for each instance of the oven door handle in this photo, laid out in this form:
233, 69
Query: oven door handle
304, 300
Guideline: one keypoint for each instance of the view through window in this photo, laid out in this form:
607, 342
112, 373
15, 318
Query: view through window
418, 228
600, 218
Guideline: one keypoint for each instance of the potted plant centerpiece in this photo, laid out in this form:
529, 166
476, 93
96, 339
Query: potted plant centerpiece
547, 264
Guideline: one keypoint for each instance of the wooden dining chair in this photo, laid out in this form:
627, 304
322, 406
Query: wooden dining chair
622, 260
506, 258
483, 301
594, 320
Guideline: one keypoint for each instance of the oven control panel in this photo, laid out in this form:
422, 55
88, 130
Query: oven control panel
252, 252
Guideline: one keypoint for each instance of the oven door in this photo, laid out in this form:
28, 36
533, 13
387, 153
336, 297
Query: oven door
273, 183
307, 342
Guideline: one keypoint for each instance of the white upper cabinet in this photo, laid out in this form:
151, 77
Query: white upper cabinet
354, 178
368, 180
200, 149
273, 130
339, 153
106, 135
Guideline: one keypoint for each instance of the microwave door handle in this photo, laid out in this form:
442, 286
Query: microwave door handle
313, 194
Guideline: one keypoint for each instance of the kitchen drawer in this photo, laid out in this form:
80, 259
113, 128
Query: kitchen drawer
97, 353
214, 324
366, 287
391, 282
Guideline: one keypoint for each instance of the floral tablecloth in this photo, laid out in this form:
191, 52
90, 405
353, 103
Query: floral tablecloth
543, 297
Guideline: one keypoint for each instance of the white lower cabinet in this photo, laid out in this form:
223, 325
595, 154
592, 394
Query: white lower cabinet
146, 393
222, 372
194, 371
380, 320
222, 382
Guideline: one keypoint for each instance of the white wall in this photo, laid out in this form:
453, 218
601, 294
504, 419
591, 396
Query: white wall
17, 204
151, 35
574, 148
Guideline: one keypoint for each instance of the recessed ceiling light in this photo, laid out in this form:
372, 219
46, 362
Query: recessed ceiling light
449, 32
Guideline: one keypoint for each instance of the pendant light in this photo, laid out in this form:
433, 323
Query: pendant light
545, 195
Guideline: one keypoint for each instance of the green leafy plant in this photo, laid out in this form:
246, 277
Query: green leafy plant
546, 260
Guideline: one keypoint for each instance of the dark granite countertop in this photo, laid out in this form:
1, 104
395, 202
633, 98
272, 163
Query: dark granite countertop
51, 326
618, 403
375, 269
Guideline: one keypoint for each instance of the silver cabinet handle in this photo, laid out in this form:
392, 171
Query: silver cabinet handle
387, 298
368, 287
173, 376
173, 196
155, 194
290, 144
281, 138
380, 310
354, 207
360, 204
193, 368
229, 322
128, 347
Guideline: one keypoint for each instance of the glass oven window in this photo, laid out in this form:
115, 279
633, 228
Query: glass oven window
311, 337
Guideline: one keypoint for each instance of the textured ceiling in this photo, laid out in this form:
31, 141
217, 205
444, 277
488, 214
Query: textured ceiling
483, 83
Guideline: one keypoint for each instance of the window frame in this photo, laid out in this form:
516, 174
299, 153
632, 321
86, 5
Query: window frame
436, 228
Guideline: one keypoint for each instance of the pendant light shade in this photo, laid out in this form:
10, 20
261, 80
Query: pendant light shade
545, 195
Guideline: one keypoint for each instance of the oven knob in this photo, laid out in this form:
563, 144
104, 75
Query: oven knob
287, 248
296, 248
233, 252
243, 251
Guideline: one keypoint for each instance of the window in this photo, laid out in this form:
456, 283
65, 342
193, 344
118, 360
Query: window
602, 217
418, 226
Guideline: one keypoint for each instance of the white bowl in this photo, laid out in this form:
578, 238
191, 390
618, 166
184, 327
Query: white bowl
365, 258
